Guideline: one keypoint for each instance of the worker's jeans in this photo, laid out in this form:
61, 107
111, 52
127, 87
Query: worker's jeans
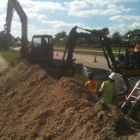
131, 59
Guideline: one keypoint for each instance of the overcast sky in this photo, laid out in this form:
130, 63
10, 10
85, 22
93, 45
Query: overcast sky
51, 17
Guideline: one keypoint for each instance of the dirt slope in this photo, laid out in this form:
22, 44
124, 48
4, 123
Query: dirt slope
34, 106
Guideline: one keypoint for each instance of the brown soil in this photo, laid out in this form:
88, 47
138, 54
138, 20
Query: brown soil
35, 106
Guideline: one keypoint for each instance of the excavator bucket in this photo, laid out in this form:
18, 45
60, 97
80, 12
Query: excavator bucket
4, 41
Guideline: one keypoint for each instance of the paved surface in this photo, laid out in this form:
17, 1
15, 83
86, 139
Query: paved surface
84, 59
87, 60
3, 64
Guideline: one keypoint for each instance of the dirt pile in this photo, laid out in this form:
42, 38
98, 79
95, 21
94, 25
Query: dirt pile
34, 106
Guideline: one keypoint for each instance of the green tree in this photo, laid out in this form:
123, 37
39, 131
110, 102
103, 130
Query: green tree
12, 41
60, 35
103, 31
135, 31
116, 38
60, 38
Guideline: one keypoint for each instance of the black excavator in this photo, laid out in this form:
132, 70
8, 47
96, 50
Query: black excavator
5, 35
120, 64
41, 48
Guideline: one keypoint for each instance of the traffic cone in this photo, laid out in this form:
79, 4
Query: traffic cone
95, 59
56, 53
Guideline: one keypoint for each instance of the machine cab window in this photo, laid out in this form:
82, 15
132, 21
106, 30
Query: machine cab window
42, 48
36, 42
131, 56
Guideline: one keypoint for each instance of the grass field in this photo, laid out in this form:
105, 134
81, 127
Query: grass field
9, 56
90, 51
90, 48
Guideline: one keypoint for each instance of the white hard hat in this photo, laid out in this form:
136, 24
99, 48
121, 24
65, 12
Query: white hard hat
113, 76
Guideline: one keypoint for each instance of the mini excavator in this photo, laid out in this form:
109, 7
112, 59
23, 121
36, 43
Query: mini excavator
119, 65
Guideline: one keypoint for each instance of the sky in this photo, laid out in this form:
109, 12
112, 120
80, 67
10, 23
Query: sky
54, 16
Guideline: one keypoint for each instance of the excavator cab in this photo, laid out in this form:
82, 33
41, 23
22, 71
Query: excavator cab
129, 60
41, 48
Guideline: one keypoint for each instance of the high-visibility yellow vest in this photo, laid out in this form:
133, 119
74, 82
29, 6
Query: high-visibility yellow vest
137, 48
93, 86
109, 92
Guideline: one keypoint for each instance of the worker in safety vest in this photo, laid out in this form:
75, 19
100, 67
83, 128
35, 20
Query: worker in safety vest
137, 47
92, 84
135, 57
108, 89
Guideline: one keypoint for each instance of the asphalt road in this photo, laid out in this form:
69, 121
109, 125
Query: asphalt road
87, 60
3, 64
100, 67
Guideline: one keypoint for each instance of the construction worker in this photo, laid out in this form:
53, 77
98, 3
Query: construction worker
137, 47
108, 89
134, 56
92, 84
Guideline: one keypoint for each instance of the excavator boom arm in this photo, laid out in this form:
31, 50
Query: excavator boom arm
73, 36
11, 5
9, 15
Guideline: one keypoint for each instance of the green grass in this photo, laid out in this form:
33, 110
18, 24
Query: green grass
91, 51
9, 56
114, 49
81, 78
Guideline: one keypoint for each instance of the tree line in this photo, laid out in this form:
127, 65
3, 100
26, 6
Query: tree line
60, 38
116, 38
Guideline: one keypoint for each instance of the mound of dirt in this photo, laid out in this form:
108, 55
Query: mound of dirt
35, 106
